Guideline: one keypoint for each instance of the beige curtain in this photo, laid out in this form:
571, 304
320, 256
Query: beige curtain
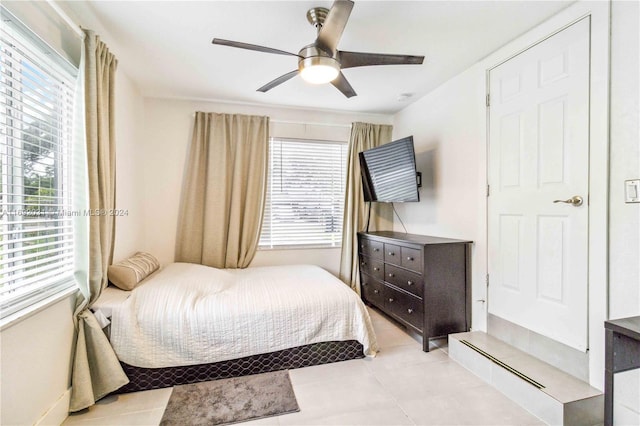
363, 136
224, 190
96, 369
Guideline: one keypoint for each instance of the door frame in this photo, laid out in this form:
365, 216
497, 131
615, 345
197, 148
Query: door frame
599, 15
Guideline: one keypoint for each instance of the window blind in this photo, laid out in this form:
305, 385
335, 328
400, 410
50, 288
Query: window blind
36, 125
305, 194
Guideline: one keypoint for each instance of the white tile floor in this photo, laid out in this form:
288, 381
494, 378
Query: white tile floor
400, 386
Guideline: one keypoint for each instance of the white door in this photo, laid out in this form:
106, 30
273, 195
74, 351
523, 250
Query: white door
539, 153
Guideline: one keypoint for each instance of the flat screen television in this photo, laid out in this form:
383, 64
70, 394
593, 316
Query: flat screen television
389, 172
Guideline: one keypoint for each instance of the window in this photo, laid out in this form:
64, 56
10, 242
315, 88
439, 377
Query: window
36, 124
305, 194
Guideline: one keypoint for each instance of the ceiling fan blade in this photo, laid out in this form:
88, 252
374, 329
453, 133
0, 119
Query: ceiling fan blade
361, 59
343, 85
334, 24
270, 85
251, 47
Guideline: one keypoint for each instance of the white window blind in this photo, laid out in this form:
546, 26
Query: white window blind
305, 194
36, 125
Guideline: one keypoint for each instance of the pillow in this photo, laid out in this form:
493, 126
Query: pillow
128, 273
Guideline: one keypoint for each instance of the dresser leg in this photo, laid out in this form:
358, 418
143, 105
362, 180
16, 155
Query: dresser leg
425, 343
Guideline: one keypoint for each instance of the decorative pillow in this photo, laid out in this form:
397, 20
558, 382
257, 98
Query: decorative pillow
128, 273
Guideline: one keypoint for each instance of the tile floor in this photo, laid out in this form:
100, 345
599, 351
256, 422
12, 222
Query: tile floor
400, 386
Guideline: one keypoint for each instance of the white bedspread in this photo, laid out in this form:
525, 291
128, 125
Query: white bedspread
192, 314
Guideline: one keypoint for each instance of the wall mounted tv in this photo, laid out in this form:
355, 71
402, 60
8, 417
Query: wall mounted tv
389, 172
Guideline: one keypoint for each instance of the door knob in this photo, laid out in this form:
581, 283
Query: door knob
575, 201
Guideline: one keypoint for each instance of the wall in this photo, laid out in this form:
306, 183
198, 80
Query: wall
36, 348
168, 127
450, 129
624, 232
129, 168
624, 237
35, 363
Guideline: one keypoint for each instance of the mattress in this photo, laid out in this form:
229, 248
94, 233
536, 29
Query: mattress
111, 297
191, 314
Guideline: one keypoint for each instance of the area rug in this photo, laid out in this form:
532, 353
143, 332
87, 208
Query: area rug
233, 400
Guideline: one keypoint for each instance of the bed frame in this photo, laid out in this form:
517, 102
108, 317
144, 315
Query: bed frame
298, 357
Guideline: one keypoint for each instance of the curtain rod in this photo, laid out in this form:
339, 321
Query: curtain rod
310, 123
70, 23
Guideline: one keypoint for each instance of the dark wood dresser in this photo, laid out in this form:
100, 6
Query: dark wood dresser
421, 281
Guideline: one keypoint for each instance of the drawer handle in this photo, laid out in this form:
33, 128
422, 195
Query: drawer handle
391, 253
390, 299
410, 259
365, 283
409, 311
391, 275
376, 249
375, 268
376, 291
409, 282
362, 263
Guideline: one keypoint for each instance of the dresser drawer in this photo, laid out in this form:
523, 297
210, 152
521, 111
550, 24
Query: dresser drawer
372, 267
373, 249
406, 280
404, 306
411, 258
372, 290
392, 254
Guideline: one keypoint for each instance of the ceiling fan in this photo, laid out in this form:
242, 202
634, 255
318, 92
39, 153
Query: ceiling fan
321, 62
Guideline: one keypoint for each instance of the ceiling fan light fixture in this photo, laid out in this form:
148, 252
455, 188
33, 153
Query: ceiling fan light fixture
319, 69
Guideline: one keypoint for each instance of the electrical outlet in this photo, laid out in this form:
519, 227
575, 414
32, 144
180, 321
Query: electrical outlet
632, 191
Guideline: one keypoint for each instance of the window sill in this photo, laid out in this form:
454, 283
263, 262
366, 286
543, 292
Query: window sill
309, 247
30, 311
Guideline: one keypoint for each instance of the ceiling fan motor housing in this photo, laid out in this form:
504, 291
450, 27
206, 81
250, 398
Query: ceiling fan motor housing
314, 58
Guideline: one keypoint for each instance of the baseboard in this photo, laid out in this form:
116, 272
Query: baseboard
58, 411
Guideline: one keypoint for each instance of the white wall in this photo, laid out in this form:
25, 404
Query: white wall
624, 236
168, 125
448, 130
35, 351
451, 122
450, 134
129, 168
35, 365
624, 232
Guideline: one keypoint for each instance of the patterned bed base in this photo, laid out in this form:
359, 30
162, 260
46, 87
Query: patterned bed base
301, 356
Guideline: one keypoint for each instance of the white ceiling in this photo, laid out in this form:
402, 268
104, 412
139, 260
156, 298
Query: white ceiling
165, 46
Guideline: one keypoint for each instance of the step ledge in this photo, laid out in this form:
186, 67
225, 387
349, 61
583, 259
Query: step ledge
547, 392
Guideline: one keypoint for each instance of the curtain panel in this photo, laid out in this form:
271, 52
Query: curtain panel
223, 191
96, 369
363, 136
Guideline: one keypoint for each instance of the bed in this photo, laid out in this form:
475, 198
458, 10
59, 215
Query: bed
189, 323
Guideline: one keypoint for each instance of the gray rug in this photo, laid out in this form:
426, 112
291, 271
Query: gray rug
231, 400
